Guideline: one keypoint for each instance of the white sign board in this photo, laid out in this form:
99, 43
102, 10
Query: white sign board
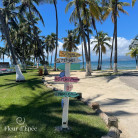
67, 60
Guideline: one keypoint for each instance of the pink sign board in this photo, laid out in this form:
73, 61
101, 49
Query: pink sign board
66, 79
69, 87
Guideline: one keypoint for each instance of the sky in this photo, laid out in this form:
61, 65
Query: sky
127, 26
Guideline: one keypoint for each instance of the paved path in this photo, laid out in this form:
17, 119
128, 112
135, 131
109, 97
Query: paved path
113, 94
130, 78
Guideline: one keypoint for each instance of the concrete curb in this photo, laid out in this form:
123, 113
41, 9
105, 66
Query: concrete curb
111, 122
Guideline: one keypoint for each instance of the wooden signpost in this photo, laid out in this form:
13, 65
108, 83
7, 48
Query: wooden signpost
67, 60
68, 54
67, 86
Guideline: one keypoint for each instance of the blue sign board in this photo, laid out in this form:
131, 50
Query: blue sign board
62, 74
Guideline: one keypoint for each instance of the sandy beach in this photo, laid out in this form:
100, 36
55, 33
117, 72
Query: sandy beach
116, 94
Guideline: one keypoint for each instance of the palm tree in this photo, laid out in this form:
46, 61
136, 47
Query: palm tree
21, 40
56, 11
134, 54
29, 4
4, 19
79, 11
50, 41
134, 50
104, 43
70, 42
97, 50
114, 7
78, 33
133, 2
100, 47
3, 52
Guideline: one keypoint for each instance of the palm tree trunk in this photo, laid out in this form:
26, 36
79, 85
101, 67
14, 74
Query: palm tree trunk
98, 67
48, 58
88, 35
82, 57
115, 56
112, 50
51, 58
24, 65
56, 34
34, 61
3, 57
19, 75
88, 71
136, 62
37, 66
101, 58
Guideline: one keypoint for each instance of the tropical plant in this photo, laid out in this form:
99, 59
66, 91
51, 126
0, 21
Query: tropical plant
134, 54
30, 5
113, 7
134, 50
70, 42
101, 40
50, 46
78, 33
133, 2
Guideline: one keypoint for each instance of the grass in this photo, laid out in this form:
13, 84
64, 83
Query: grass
42, 110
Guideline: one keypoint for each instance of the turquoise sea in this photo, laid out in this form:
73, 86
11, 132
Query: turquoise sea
127, 65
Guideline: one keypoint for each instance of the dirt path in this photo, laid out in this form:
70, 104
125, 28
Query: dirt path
113, 94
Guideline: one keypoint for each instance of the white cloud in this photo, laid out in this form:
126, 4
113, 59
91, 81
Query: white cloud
123, 47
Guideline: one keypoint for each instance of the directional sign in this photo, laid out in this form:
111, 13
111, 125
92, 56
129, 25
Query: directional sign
69, 87
67, 60
62, 74
68, 54
73, 66
66, 94
66, 79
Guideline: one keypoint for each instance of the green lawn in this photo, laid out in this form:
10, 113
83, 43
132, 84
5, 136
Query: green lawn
42, 110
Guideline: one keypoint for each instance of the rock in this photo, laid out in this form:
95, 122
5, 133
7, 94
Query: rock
95, 106
113, 132
113, 121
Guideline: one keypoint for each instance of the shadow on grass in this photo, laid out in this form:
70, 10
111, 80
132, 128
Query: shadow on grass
29, 83
5, 74
44, 112
10, 73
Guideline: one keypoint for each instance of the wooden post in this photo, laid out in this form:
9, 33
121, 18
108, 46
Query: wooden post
66, 99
